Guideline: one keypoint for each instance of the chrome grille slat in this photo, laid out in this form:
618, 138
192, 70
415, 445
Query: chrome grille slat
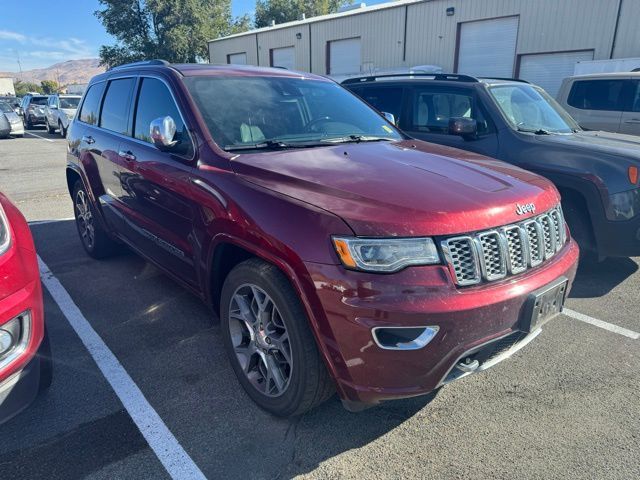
494, 254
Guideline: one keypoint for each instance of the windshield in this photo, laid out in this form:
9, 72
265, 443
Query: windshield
5, 107
255, 111
38, 101
530, 108
69, 102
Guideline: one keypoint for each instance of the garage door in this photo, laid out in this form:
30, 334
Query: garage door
344, 56
548, 69
488, 47
237, 58
284, 57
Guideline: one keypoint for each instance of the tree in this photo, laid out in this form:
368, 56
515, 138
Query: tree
174, 30
49, 86
289, 10
22, 88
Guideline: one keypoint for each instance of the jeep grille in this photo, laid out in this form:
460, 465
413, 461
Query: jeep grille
495, 254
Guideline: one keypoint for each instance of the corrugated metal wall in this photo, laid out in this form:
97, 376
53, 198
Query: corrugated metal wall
628, 39
545, 26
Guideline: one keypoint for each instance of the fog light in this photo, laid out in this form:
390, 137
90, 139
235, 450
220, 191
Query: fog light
403, 338
14, 338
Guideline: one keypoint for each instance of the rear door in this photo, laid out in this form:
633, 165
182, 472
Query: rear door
598, 104
429, 108
630, 120
156, 185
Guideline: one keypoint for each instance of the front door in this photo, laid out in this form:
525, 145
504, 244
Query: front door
156, 185
428, 112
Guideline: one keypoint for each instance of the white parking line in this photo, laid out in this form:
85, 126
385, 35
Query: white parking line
41, 138
173, 457
599, 323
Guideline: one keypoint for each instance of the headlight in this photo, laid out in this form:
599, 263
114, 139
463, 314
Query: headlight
385, 254
624, 205
5, 233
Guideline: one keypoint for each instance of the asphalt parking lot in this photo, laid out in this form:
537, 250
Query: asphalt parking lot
566, 406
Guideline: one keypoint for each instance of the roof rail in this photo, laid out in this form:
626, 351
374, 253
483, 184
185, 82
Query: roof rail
507, 79
434, 76
141, 64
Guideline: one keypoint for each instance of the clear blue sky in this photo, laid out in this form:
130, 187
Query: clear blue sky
44, 32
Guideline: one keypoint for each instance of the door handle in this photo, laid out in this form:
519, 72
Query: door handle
88, 139
633, 120
127, 155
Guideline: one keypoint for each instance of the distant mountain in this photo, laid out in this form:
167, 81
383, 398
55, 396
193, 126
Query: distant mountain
65, 73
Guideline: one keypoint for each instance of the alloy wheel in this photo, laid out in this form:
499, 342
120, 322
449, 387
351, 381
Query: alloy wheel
84, 218
260, 340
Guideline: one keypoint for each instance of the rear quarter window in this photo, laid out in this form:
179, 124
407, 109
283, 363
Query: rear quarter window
609, 95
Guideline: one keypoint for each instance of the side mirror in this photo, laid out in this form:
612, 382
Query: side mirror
162, 130
467, 128
390, 117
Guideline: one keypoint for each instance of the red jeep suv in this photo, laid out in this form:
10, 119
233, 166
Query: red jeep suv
339, 253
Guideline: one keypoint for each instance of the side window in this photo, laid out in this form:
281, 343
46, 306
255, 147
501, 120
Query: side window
91, 104
433, 107
635, 104
115, 106
611, 95
383, 99
155, 101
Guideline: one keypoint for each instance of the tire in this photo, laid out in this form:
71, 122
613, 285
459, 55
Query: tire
575, 214
27, 124
49, 128
93, 237
46, 363
305, 378
63, 131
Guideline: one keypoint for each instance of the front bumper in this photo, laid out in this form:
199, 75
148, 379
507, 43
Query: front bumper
36, 119
19, 390
347, 305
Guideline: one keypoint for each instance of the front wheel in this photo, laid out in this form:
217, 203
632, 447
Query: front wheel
269, 343
63, 131
50, 129
95, 240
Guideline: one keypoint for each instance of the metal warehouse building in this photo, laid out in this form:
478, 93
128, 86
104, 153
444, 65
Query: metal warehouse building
538, 40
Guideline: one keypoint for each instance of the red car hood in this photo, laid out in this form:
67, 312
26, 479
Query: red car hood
407, 188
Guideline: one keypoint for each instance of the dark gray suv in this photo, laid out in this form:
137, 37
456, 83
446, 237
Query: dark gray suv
512, 120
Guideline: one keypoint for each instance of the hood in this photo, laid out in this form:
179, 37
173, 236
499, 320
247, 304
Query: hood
69, 112
600, 157
600, 142
405, 188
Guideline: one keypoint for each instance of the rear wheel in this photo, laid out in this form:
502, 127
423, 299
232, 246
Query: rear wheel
95, 240
269, 343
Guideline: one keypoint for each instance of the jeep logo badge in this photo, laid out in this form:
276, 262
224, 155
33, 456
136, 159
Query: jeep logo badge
526, 208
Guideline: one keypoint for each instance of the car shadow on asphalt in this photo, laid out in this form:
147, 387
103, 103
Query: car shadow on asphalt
595, 280
170, 344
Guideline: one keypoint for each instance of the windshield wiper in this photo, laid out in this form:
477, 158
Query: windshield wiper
539, 131
271, 145
357, 139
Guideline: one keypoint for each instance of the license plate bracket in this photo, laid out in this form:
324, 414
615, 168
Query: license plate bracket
544, 304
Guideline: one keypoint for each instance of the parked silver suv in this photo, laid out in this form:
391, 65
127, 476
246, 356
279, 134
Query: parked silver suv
604, 101
61, 109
